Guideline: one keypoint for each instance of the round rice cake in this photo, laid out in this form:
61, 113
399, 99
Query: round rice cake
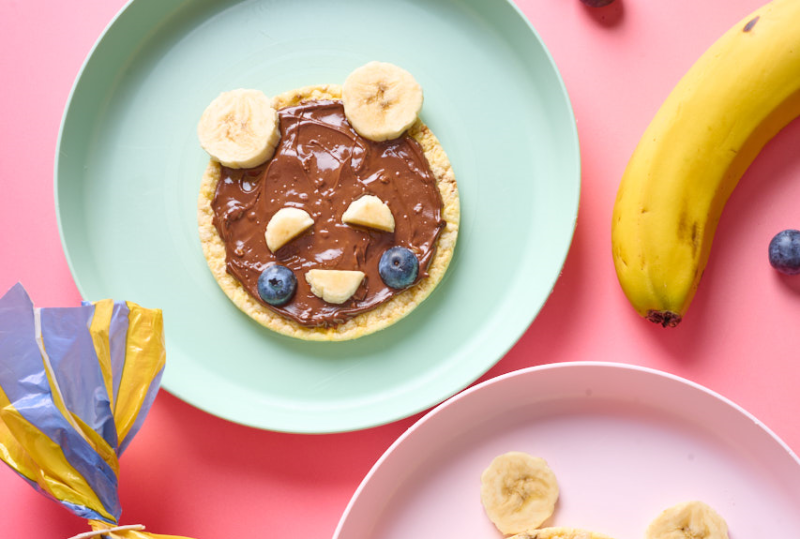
383, 315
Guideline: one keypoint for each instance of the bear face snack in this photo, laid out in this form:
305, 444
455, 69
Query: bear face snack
328, 212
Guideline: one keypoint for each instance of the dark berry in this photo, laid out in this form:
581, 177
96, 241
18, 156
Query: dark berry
597, 3
784, 252
398, 267
276, 285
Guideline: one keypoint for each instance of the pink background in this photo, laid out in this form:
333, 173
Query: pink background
193, 474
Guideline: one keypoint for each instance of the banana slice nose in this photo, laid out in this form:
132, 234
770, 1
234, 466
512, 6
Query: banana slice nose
334, 286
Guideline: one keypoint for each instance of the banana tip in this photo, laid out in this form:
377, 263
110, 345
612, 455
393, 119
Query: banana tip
667, 319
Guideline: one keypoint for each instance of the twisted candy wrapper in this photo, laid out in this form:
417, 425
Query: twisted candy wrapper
75, 387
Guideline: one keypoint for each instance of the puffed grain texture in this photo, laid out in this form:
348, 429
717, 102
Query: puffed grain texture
365, 323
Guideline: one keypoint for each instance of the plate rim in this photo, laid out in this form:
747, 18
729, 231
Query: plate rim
466, 394
422, 404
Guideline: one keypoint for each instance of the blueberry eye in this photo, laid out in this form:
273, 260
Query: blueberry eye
398, 267
276, 285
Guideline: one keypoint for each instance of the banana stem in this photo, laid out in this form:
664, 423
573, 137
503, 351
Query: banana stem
666, 319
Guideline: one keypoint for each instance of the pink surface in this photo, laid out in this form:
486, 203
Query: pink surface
193, 474
601, 427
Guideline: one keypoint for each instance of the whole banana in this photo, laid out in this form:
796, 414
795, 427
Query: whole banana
737, 96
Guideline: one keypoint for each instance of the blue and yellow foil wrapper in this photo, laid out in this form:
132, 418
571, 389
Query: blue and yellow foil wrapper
75, 387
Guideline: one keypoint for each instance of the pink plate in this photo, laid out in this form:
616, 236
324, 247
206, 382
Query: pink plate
625, 443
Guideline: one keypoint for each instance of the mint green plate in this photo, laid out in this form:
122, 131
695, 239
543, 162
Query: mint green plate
129, 165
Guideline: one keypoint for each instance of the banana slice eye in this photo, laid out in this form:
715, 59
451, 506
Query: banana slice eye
369, 211
286, 225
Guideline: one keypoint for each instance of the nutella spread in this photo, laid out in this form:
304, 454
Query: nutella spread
321, 166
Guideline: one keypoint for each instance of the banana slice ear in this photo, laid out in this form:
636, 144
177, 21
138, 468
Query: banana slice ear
689, 520
239, 129
381, 100
518, 492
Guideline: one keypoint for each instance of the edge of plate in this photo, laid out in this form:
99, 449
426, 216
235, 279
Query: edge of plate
523, 372
516, 333
57, 160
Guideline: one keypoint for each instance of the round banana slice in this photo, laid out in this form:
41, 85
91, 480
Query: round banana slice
381, 100
689, 520
560, 533
239, 129
518, 492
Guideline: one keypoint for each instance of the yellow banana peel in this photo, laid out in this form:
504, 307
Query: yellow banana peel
735, 98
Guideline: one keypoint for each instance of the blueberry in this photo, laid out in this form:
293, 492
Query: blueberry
597, 3
784, 252
398, 267
276, 285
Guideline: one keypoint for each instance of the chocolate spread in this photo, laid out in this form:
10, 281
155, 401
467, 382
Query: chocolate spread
321, 165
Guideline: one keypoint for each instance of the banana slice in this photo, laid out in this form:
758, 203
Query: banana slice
381, 100
689, 520
369, 211
518, 492
286, 225
560, 533
334, 286
239, 129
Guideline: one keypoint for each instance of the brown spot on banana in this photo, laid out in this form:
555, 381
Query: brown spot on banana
682, 227
687, 235
750, 24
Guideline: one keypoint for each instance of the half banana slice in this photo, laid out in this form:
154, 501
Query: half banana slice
518, 492
334, 286
239, 129
369, 211
560, 533
286, 225
381, 100
689, 520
